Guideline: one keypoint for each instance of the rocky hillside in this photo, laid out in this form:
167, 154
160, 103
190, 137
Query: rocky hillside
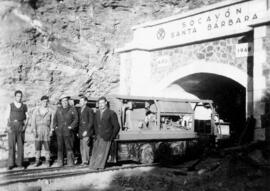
68, 46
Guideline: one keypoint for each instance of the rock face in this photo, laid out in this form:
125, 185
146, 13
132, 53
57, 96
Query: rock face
68, 46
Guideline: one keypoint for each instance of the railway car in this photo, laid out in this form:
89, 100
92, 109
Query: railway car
160, 129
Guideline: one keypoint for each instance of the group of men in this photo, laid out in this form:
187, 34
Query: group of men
103, 125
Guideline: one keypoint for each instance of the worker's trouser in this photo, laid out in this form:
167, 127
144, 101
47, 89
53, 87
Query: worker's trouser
100, 153
67, 142
38, 145
15, 136
84, 149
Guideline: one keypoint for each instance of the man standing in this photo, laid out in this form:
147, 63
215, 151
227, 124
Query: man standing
86, 125
42, 121
106, 129
65, 121
16, 124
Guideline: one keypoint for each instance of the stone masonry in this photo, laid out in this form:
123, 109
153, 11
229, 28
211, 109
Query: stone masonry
218, 51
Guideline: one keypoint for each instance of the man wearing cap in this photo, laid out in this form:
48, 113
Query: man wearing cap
42, 121
65, 121
17, 119
106, 128
86, 129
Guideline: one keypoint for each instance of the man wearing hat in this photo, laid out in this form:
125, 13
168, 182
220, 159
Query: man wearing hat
42, 120
65, 121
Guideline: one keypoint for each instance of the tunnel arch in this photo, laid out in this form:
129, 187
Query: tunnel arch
226, 85
225, 70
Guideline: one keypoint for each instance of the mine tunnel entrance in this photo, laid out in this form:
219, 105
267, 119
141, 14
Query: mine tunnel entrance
229, 97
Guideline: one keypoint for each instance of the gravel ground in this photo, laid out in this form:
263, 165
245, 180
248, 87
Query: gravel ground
229, 175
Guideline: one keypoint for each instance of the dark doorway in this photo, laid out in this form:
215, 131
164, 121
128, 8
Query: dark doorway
228, 95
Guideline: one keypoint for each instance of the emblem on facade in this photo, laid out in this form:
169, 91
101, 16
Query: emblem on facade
161, 34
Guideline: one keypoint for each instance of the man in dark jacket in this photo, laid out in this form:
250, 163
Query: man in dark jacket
86, 129
106, 128
65, 121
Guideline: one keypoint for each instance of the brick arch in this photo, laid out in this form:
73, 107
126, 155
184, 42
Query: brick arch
225, 70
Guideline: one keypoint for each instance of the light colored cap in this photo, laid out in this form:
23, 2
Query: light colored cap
64, 96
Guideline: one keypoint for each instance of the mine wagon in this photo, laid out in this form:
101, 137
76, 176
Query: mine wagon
158, 129
153, 129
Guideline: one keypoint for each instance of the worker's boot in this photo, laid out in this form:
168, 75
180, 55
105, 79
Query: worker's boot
59, 159
38, 154
47, 162
70, 158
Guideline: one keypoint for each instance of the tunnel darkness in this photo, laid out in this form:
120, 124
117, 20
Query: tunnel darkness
228, 95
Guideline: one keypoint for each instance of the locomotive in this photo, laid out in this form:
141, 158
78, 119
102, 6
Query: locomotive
160, 129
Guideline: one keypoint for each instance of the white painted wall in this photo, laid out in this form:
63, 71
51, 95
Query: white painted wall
141, 82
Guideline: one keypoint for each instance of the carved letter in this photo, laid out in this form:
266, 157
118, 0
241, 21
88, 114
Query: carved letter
239, 11
200, 20
217, 16
222, 23
230, 22
183, 32
254, 17
238, 20
227, 13
183, 24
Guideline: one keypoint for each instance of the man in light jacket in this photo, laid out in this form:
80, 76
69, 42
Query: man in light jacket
42, 121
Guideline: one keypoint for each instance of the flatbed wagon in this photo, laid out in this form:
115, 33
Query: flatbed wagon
154, 129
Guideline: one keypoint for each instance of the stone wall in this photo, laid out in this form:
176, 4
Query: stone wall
217, 51
266, 74
266, 66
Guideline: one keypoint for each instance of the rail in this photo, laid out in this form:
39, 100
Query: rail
31, 175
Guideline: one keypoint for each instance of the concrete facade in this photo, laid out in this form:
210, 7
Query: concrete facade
229, 39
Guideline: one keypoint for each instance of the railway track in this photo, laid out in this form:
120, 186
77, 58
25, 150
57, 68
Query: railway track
32, 175
37, 170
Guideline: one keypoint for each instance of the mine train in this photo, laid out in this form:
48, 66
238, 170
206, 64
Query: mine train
156, 129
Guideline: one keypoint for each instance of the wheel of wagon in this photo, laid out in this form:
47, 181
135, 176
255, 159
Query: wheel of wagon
163, 152
146, 154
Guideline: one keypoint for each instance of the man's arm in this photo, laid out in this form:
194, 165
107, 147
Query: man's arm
91, 122
7, 117
75, 119
52, 118
55, 120
33, 121
27, 117
95, 124
115, 124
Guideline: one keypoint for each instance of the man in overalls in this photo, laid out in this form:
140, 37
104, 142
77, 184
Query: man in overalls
16, 124
65, 121
42, 121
